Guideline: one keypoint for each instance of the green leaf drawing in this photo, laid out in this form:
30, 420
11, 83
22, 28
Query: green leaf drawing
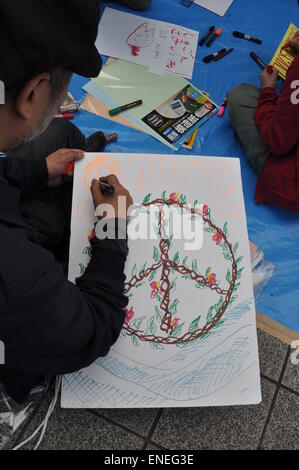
232, 300
156, 230
176, 332
153, 275
200, 285
235, 248
183, 199
134, 270
147, 198
236, 286
158, 314
173, 285
155, 345
142, 270
185, 261
219, 305
239, 274
210, 314
209, 230
82, 269
140, 284
135, 340
173, 307
229, 276
204, 336
137, 322
156, 255
169, 242
164, 195
176, 258
218, 324
159, 297
225, 231
238, 261
195, 203
151, 326
194, 265
228, 257
194, 325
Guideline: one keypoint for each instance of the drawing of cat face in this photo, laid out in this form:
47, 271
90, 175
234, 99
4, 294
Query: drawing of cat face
140, 37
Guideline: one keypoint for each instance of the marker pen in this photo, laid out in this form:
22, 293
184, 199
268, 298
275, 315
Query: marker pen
207, 35
215, 36
237, 34
220, 56
223, 106
126, 107
214, 56
257, 60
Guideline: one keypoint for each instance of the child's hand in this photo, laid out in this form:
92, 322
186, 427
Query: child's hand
293, 45
269, 77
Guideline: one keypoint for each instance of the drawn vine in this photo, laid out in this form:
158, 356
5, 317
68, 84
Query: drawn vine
162, 289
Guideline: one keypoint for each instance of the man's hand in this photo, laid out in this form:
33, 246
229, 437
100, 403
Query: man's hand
118, 203
57, 163
269, 77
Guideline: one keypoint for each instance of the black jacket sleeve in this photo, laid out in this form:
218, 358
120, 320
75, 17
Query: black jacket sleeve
51, 326
23, 173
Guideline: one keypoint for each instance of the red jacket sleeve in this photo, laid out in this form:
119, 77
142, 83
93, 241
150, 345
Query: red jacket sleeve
277, 117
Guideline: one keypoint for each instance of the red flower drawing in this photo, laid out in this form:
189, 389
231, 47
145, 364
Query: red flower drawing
174, 197
155, 286
129, 314
217, 238
212, 279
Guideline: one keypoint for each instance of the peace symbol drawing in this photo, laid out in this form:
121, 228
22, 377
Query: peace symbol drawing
165, 324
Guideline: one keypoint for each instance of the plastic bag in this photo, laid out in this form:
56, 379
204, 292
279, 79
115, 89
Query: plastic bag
12, 415
262, 269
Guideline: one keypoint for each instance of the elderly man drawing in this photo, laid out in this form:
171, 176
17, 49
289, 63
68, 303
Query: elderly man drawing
48, 325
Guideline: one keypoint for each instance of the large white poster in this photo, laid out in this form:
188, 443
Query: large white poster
189, 338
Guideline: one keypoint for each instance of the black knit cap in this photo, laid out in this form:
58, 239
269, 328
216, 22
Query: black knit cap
40, 35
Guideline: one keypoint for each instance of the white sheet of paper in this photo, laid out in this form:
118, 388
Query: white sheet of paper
158, 45
201, 350
219, 7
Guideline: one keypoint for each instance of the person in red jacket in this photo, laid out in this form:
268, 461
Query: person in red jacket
267, 126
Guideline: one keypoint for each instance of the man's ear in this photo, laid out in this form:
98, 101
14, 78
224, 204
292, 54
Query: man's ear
33, 95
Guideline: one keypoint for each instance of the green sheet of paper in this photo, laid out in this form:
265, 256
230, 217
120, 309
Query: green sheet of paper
126, 82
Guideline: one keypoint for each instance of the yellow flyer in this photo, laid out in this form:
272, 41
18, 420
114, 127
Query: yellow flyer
282, 59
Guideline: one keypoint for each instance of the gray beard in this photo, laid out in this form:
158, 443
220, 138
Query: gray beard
45, 121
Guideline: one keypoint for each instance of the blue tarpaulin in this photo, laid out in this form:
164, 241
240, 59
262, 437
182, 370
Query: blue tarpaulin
276, 232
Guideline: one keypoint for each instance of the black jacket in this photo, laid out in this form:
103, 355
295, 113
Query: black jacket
49, 325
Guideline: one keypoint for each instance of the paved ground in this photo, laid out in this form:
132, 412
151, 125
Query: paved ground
271, 425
